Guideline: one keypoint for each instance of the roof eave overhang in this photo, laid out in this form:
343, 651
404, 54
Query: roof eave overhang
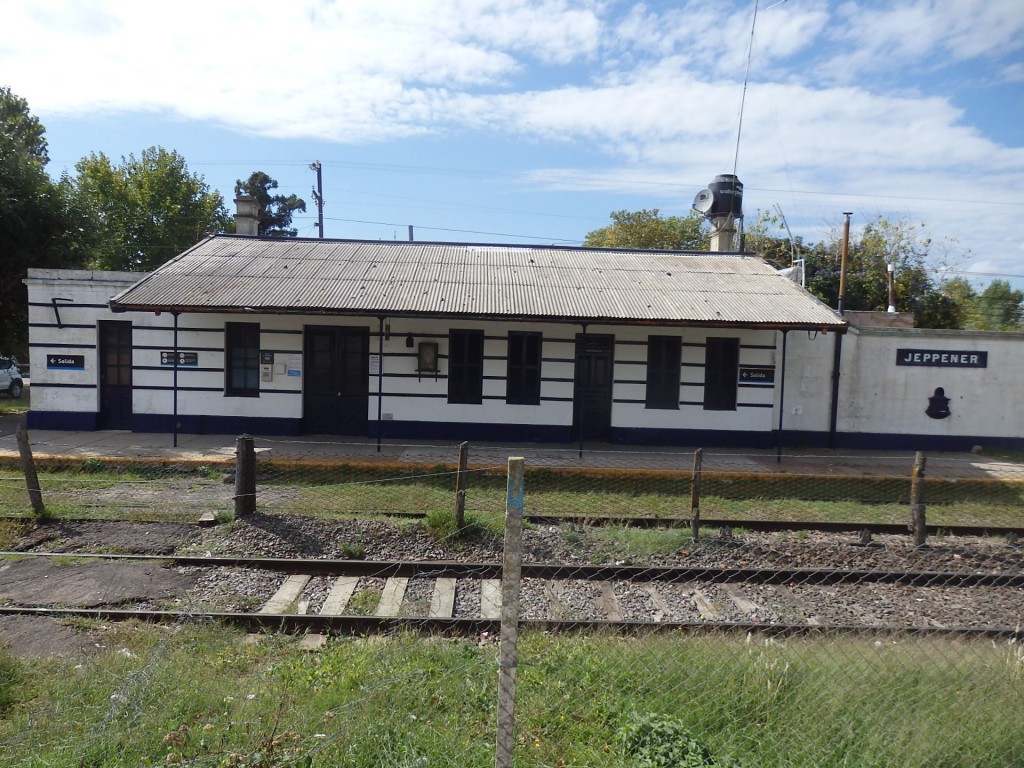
835, 327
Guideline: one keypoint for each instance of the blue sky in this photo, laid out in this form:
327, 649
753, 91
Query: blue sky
530, 121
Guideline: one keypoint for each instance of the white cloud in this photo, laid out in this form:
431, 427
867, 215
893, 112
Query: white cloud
655, 87
879, 37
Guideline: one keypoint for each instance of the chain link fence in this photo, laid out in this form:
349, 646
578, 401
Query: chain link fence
637, 486
734, 648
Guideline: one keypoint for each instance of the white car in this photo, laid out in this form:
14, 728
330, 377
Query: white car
11, 380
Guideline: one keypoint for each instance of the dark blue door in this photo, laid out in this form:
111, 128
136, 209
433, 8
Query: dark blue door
115, 363
337, 379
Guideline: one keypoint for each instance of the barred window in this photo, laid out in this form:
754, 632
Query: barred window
242, 359
664, 355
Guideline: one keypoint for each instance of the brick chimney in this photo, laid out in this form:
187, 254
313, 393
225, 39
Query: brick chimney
247, 216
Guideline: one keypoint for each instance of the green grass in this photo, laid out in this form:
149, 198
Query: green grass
625, 544
198, 695
170, 491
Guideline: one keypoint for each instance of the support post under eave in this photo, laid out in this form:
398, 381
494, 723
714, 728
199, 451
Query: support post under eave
834, 415
380, 382
175, 385
782, 398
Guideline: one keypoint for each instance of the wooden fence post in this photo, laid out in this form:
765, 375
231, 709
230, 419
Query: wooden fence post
917, 516
508, 649
28, 466
695, 494
245, 476
460, 487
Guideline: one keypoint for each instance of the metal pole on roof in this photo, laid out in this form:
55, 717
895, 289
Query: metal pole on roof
842, 260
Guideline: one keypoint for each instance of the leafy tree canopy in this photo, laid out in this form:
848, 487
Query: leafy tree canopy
998, 308
42, 223
149, 208
649, 230
275, 210
880, 243
22, 130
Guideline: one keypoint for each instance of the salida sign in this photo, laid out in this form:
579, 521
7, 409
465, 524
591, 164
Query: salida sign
942, 358
65, 362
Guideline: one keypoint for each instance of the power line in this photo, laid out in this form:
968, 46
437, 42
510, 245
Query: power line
462, 231
976, 274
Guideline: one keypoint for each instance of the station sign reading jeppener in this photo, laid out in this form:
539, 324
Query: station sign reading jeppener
942, 358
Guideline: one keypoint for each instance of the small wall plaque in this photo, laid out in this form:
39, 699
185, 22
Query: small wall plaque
167, 357
427, 357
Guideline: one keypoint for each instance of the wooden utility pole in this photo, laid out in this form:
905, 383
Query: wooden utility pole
460, 487
695, 494
245, 476
318, 196
28, 466
508, 648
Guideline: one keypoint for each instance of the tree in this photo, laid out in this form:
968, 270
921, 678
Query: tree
998, 308
882, 242
947, 306
41, 222
148, 208
648, 230
778, 250
275, 210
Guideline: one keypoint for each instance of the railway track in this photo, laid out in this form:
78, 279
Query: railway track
359, 596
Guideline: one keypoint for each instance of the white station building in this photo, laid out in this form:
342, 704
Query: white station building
281, 336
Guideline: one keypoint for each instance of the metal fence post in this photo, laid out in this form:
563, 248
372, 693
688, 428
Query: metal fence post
460, 487
695, 494
245, 476
510, 584
917, 516
28, 466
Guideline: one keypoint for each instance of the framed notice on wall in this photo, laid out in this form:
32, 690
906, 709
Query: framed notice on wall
169, 357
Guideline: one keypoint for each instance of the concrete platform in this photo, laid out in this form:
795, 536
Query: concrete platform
327, 448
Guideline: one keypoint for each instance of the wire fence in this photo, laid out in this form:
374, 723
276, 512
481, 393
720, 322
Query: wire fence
722, 488
891, 663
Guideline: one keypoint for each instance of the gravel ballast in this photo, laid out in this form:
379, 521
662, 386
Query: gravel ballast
863, 604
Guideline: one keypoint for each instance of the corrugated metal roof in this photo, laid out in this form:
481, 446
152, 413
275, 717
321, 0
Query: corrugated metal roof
227, 273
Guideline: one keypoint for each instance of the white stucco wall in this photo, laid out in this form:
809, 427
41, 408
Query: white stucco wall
407, 396
81, 299
808, 381
877, 396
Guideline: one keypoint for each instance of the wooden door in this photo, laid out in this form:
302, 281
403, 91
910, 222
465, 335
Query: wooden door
592, 391
115, 364
337, 375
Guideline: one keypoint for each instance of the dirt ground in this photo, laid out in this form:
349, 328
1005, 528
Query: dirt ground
115, 537
47, 583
